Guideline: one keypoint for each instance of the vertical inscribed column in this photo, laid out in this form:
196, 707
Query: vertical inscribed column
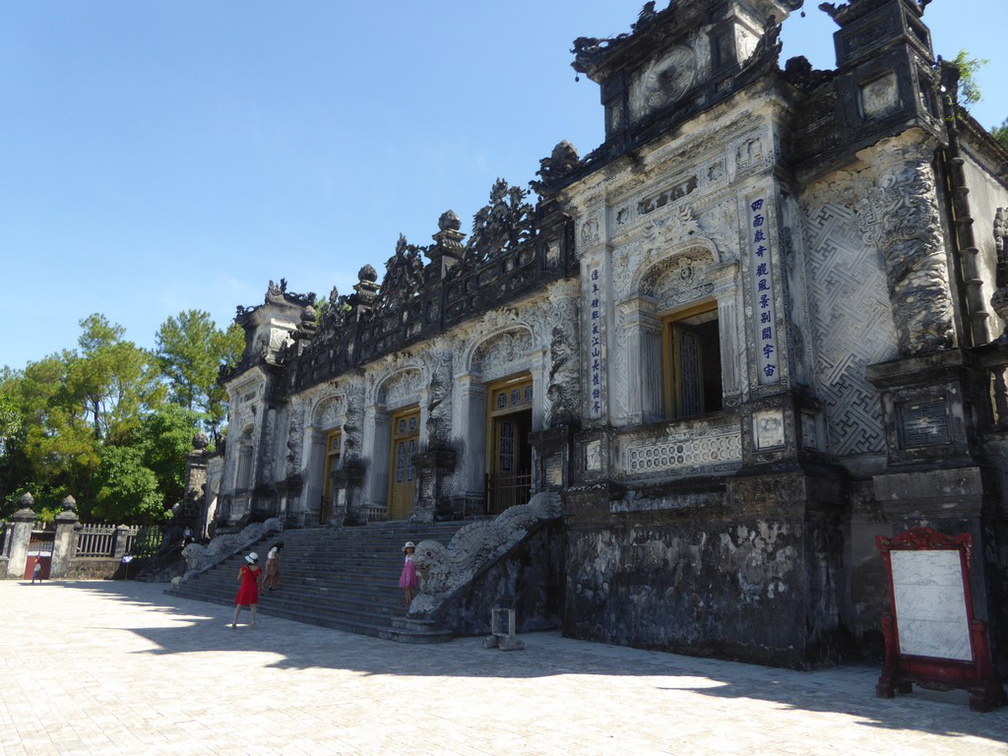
595, 349
764, 321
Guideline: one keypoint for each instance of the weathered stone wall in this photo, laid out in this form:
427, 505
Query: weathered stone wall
750, 577
986, 195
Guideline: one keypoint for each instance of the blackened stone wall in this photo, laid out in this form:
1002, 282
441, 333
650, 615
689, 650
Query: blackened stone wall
753, 579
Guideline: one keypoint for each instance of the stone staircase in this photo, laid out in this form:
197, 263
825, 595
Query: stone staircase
346, 579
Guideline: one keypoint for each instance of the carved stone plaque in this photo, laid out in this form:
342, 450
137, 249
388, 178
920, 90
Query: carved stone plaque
879, 96
768, 427
930, 604
923, 423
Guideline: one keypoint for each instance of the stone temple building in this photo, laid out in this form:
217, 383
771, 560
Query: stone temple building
756, 327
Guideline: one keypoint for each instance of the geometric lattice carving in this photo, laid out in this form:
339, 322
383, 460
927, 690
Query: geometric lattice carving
852, 326
686, 453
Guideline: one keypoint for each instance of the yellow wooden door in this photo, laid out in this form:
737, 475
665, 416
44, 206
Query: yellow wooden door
405, 441
332, 464
509, 461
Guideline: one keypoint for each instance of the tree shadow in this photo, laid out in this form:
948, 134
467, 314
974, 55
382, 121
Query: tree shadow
847, 690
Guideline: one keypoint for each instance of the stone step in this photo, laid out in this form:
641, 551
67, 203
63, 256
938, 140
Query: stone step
346, 579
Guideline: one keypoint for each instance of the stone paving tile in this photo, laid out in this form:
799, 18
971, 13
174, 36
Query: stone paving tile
122, 668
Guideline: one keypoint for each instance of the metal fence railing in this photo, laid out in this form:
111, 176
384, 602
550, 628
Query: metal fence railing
506, 490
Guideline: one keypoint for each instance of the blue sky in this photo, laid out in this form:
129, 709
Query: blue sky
164, 156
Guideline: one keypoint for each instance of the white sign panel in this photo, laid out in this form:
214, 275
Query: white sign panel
930, 604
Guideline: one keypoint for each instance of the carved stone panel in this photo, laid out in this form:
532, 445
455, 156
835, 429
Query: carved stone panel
880, 96
683, 449
851, 319
497, 356
400, 389
663, 82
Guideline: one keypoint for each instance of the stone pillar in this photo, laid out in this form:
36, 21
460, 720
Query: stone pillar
20, 537
194, 503
431, 468
376, 495
349, 483
65, 546
315, 471
120, 541
469, 420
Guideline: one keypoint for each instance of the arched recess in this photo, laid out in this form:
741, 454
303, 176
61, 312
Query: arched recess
679, 335
243, 468
324, 441
395, 396
399, 387
506, 370
501, 353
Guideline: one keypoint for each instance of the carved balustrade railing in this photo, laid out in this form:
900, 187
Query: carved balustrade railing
468, 290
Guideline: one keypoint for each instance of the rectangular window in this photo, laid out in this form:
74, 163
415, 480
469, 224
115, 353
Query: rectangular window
691, 352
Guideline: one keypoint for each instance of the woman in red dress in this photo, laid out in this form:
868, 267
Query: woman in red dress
248, 591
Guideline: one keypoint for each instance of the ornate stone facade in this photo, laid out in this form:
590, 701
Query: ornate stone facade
738, 340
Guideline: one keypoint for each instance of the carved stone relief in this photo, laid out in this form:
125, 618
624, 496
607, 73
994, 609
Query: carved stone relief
590, 230
689, 449
749, 154
680, 279
400, 389
496, 357
880, 96
439, 405
353, 434
908, 233
663, 82
295, 439
328, 411
768, 429
563, 390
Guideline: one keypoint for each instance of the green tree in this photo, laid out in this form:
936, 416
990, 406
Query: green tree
191, 350
1001, 133
58, 442
969, 90
126, 491
164, 438
112, 379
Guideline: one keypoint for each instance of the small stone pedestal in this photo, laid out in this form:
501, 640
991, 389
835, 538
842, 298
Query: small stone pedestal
502, 629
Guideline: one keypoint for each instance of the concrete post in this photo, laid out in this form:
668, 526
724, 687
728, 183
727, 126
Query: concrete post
65, 545
20, 536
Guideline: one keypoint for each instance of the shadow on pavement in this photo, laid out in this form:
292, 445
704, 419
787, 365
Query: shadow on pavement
847, 690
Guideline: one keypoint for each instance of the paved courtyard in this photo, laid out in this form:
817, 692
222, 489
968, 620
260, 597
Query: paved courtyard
122, 668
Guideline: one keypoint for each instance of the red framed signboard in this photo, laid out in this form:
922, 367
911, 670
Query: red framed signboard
931, 636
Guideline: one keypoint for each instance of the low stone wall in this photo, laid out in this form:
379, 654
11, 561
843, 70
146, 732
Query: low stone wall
97, 568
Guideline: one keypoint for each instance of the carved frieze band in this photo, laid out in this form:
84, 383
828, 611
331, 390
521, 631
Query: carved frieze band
687, 452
